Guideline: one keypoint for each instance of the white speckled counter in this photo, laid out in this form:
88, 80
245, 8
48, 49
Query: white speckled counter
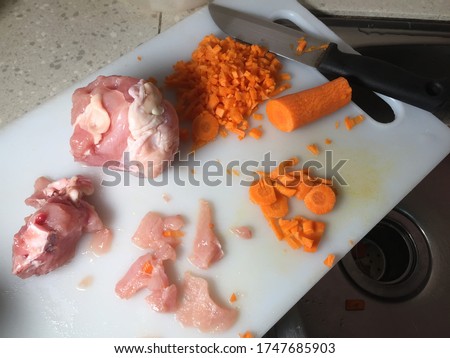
47, 45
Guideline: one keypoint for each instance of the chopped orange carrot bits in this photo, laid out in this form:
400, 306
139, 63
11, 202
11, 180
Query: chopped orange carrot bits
147, 268
226, 78
246, 334
313, 148
233, 298
255, 133
329, 260
272, 192
350, 122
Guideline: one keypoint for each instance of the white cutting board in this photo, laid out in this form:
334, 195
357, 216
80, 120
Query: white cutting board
385, 161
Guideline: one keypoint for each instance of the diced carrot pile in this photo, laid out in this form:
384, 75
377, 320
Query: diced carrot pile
227, 80
272, 192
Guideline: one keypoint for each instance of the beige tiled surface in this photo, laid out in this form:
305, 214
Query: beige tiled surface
47, 45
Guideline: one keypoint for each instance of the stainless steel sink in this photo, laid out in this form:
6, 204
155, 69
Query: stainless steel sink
396, 281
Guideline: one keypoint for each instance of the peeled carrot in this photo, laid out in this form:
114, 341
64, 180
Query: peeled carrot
301, 45
329, 260
298, 109
320, 199
302, 189
262, 192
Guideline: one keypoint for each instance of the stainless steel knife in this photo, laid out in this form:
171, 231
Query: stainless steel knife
430, 94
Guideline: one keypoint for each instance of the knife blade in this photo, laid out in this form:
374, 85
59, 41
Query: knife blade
429, 94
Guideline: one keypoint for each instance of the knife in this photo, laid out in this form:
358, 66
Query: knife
432, 95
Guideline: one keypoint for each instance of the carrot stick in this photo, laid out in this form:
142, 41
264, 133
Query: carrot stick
298, 109
275, 227
320, 199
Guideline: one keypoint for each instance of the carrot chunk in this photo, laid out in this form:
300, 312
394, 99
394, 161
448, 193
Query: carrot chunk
278, 209
329, 260
262, 192
350, 122
320, 199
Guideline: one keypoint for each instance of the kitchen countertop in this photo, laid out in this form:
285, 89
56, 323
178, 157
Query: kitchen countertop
48, 45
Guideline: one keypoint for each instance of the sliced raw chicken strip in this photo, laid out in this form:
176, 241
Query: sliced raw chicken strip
147, 272
197, 309
151, 234
207, 248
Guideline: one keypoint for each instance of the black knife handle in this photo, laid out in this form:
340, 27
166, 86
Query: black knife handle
429, 94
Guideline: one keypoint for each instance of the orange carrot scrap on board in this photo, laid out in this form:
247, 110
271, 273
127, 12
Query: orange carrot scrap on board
328, 141
246, 334
257, 116
233, 297
255, 133
329, 260
350, 122
301, 45
313, 148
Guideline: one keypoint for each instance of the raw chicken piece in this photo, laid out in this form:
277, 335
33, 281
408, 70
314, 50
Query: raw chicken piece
164, 300
115, 115
148, 272
150, 234
207, 248
50, 236
242, 231
197, 309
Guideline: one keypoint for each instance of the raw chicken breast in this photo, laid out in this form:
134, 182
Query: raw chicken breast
50, 236
197, 309
115, 115
207, 248
154, 233
148, 272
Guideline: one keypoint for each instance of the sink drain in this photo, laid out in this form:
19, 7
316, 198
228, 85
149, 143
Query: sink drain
392, 261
